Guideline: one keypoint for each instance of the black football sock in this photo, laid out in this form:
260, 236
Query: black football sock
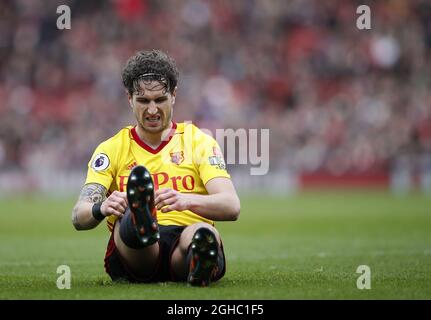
128, 232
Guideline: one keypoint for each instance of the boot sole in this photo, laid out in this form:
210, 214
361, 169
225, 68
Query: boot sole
204, 258
140, 195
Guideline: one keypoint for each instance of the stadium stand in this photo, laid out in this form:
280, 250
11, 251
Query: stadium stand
338, 101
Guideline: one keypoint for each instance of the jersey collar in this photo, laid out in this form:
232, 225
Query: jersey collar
146, 146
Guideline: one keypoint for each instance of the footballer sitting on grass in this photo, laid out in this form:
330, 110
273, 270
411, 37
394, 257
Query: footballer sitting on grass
160, 184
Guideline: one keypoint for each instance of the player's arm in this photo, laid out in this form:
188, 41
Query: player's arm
221, 203
82, 213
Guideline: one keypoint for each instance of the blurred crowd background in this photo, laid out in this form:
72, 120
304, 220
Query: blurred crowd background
336, 99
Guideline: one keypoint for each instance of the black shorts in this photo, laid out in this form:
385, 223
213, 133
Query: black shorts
117, 268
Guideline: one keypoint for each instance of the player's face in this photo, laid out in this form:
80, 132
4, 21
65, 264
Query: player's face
153, 107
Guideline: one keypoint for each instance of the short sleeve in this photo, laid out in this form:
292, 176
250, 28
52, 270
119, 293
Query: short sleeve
209, 158
101, 167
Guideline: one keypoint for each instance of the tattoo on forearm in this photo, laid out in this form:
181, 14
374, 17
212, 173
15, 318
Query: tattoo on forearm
93, 192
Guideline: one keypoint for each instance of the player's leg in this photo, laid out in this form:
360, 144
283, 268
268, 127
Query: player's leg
198, 255
136, 235
140, 261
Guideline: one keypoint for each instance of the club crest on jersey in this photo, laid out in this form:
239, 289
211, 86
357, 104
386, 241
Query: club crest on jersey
132, 165
100, 162
177, 157
217, 159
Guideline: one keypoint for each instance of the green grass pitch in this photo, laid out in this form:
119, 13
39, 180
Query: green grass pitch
305, 246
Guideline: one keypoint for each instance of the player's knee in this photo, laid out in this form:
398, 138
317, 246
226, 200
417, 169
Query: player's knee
199, 225
187, 234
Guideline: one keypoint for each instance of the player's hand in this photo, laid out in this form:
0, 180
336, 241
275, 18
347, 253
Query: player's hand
115, 204
169, 200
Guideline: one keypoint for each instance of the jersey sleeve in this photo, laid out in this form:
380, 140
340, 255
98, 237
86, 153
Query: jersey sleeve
209, 158
101, 166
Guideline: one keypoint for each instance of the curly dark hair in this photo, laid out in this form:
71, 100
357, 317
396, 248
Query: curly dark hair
150, 65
